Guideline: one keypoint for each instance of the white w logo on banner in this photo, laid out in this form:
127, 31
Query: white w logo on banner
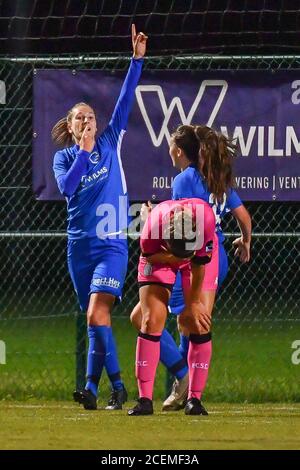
176, 102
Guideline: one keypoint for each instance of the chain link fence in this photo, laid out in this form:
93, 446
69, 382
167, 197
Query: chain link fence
257, 316
207, 26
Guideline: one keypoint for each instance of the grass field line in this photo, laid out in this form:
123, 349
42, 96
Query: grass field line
239, 409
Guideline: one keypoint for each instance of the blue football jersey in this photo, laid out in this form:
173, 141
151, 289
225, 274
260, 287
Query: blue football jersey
99, 205
189, 183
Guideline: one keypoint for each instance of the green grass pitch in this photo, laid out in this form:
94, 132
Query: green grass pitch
251, 396
63, 425
251, 361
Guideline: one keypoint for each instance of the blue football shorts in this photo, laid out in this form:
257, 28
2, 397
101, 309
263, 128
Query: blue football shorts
97, 267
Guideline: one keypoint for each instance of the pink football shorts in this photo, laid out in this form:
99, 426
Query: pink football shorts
165, 275
210, 281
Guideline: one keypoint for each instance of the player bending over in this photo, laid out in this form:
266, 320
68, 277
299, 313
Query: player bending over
176, 233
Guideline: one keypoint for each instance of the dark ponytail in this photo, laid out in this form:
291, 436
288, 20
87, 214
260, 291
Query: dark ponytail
60, 134
185, 138
215, 160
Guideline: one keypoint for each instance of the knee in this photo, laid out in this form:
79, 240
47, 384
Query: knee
188, 324
91, 318
146, 323
98, 317
100, 306
135, 318
150, 324
198, 328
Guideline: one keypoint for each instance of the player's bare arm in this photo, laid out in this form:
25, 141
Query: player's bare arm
242, 244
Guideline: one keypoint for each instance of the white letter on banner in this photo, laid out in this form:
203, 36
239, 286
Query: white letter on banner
295, 96
176, 103
291, 137
224, 131
273, 152
260, 140
244, 146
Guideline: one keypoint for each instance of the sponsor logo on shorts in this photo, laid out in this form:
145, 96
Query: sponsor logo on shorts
199, 365
106, 281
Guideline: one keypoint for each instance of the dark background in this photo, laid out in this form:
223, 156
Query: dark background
103, 26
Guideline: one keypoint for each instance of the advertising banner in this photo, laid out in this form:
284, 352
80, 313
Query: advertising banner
258, 108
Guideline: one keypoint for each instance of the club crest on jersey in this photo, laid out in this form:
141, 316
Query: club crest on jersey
94, 157
148, 269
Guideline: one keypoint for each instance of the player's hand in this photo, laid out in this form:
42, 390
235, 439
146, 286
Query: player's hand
139, 42
87, 141
145, 211
196, 318
242, 249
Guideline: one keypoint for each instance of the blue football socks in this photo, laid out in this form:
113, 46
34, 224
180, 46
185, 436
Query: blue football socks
170, 356
112, 363
98, 339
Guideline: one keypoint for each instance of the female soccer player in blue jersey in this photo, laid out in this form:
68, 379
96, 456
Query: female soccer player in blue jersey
90, 175
205, 160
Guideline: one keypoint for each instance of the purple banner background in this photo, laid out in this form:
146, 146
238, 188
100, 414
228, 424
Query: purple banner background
260, 105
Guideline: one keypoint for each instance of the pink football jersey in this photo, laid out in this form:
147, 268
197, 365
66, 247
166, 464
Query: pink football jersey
200, 239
